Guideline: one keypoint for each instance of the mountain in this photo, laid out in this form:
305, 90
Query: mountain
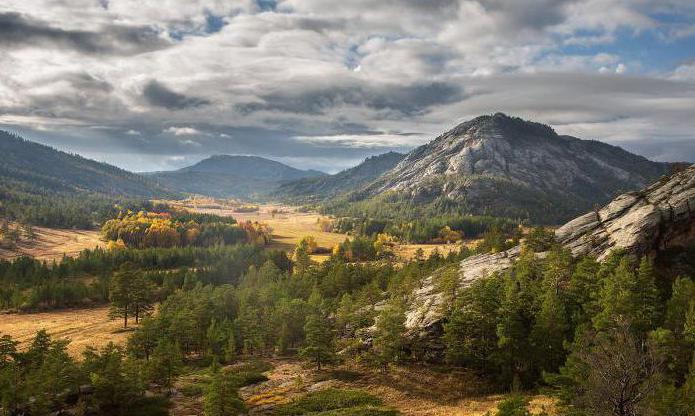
322, 187
506, 166
226, 176
37, 169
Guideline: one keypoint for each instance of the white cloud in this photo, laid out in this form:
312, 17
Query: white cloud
182, 131
318, 76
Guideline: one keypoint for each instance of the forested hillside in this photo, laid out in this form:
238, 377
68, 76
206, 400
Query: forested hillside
44, 186
311, 190
589, 332
226, 176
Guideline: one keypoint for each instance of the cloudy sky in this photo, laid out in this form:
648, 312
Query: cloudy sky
150, 85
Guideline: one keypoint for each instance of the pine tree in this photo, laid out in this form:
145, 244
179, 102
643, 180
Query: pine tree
221, 397
230, 349
318, 343
390, 327
514, 328
549, 331
165, 363
142, 294
121, 293
630, 296
470, 332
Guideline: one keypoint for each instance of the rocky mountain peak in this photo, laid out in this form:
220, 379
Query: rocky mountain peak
507, 166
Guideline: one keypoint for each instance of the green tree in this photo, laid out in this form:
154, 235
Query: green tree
610, 372
513, 406
629, 296
470, 333
121, 293
165, 363
550, 331
318, 344
390, 327
117, 382
221, 397
142, 295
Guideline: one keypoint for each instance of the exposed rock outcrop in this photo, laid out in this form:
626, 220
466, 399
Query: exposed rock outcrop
660, 216
506, 166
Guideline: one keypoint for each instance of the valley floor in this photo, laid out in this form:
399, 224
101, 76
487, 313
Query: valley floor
84, 327
51, 244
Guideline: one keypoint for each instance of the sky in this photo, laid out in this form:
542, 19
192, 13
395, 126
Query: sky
158, 85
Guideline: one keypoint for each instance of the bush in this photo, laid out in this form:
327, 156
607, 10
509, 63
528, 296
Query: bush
513, 406
246, 378
331, 400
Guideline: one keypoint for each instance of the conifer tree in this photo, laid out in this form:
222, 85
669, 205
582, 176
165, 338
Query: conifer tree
390, 327
165, 363
221, 397
121, 293
318, 343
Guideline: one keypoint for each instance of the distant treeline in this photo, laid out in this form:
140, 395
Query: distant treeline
177, 228
83, 211
30, 284
426, 229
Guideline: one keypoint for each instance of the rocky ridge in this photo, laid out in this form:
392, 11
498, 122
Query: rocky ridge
658, 217
506, 166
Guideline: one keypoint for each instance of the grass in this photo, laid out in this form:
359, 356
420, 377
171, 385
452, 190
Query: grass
84, 327
52, 243
335, 402
289, 226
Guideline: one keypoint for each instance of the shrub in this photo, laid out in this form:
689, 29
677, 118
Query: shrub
513, 406
330, 400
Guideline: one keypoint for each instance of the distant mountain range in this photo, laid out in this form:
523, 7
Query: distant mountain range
491, 165
226, 176
505, 166
319, 188
34, 168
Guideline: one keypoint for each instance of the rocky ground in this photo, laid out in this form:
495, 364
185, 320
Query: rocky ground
413, 390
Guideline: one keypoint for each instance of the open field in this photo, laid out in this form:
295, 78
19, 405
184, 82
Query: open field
84, 327
51, 244
414, 390
288, 224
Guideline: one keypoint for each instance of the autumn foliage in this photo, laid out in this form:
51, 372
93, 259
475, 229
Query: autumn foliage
164, 229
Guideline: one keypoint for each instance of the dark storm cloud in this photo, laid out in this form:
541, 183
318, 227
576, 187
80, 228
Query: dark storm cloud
159, 95
16, 30
405, 100
530, 14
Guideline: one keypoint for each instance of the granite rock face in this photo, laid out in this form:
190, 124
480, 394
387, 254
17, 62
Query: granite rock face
658, 217
506, 166
642, 222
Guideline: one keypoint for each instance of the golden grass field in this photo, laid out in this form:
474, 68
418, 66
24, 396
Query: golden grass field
289, 226
52, 244
414, 390
83, 327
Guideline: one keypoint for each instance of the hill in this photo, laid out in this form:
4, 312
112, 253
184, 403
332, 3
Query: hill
224, 176
41, 168
505, 166
322, 187
43, 186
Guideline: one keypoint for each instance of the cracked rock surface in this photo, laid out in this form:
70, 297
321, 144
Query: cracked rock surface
658, 217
